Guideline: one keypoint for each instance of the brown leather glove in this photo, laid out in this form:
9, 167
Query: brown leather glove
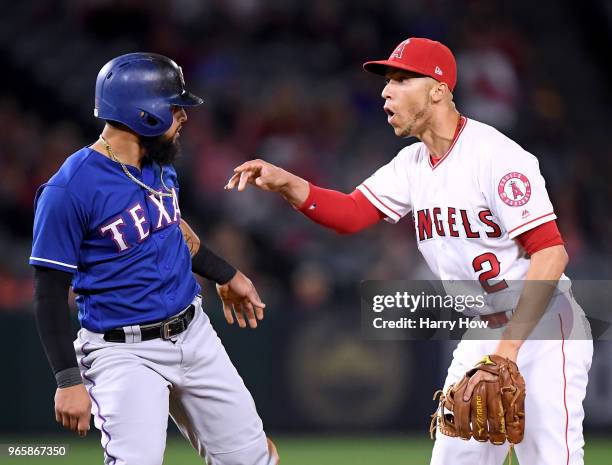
496, 410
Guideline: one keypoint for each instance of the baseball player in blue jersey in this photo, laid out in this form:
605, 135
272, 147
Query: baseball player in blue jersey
109, 224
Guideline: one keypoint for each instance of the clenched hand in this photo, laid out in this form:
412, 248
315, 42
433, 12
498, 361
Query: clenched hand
73, 408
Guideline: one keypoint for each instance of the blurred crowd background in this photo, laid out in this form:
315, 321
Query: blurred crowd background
282, 80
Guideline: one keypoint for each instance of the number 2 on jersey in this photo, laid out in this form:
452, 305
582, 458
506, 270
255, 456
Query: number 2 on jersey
485, 276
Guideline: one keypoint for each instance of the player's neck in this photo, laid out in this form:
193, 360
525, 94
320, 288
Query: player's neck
439, 134
124, 144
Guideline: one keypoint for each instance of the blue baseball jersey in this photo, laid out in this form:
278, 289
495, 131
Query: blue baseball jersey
124, 245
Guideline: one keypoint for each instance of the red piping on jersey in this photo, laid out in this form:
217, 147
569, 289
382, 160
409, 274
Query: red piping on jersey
460, 127
564, 391
531, 221
382, 203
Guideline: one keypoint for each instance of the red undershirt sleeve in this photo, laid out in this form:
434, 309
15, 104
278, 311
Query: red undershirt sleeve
541, 237
345, 213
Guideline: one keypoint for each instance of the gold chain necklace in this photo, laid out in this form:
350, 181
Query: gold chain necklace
159, 194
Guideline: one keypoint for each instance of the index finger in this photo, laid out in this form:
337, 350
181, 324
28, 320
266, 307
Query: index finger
232, 181
467, 394
251, 164
253, 298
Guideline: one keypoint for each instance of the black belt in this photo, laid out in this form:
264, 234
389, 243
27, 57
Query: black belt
164, 329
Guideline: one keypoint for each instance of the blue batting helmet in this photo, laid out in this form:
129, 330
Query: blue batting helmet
139, 90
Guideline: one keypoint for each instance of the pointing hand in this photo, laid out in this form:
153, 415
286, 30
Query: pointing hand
269, 177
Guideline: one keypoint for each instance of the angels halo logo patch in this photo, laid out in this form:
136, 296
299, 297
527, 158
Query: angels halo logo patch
514, 189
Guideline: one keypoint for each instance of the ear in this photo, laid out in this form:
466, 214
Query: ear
438, 91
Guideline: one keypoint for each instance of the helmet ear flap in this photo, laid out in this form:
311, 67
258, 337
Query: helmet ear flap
151, 123
148, 119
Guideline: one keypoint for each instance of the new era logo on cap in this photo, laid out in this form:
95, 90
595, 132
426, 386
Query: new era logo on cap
421, 56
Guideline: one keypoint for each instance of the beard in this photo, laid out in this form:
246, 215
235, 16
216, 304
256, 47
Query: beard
409, 130
162, 150
420, 116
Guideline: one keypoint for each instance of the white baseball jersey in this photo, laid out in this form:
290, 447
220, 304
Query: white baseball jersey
469, 207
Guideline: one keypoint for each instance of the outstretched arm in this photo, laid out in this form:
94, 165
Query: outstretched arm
345, 213
269, 177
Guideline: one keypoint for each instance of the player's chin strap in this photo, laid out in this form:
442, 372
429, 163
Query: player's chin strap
159, 194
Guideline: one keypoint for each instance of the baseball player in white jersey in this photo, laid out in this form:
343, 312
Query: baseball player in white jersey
481, 213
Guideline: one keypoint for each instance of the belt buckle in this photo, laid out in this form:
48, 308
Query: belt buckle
166, 329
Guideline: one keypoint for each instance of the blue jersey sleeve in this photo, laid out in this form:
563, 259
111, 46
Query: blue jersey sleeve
59, 228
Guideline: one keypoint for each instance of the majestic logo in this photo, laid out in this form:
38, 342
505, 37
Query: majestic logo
438, 71
399, 50
514, 189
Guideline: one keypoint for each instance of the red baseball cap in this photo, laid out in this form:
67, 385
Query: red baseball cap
422, 56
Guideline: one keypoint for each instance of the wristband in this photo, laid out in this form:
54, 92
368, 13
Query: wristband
211, 266
68, 377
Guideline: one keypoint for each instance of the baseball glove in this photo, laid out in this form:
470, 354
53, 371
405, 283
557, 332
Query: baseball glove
496, 410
